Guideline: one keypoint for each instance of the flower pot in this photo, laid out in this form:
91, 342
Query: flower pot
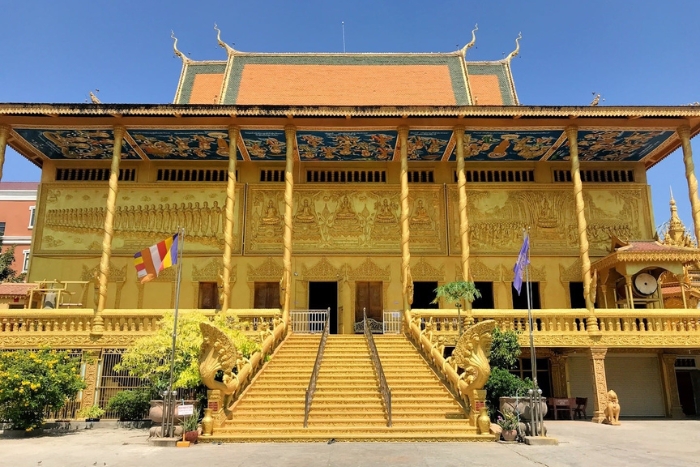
509, 435
191, 436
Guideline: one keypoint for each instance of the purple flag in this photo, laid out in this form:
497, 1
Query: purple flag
523, 260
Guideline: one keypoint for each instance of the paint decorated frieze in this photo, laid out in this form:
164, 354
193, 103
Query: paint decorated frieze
73, 218
507, 145
427, 145
264, 145
191, 144
497, 219
350, 221
91, 144
605, 145
344, 146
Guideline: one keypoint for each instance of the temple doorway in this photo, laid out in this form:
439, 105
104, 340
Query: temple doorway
424, 294
324, 295
369, 297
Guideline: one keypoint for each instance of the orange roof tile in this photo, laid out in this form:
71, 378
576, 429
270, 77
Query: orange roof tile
485, 90
206, 89
286, 84
19, 289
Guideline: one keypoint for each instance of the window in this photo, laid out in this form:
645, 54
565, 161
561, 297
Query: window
208, 295
2, 229
576, 295
32, 214
520, 301
424, 294
486, 301
523, 369
25, 261
267, 295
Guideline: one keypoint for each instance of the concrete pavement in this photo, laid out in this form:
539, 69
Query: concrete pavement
634, 443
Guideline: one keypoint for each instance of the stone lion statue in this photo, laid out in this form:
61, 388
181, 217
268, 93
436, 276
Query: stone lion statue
612, 409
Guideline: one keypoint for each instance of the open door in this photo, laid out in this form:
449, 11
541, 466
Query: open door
324, 295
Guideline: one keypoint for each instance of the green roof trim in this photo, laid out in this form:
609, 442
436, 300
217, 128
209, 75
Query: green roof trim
501, 72
452, 62
194, 69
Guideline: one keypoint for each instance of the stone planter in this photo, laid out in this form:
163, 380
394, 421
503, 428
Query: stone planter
522, 407
155, 413
509, 435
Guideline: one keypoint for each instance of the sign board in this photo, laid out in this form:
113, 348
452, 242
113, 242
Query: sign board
214, 406
478, 405
185, 409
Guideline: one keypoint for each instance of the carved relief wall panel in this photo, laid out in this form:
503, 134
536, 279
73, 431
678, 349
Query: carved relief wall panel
344, 220
497, 217
73, 217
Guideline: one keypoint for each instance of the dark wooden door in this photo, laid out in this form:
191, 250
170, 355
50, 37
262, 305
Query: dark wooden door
685, 392
208, 295
369, 296
267, 295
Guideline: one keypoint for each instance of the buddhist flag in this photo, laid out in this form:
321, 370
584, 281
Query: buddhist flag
152, 260
521, 263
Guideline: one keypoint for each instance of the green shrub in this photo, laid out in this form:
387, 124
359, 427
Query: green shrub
503, 383
130, 405
32, 382
94, 412
189, 423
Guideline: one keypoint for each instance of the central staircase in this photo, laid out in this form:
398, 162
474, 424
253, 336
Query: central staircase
347, 405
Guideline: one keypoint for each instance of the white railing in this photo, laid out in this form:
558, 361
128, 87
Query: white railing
392, 322
309, 321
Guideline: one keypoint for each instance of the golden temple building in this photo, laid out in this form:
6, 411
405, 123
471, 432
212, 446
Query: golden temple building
354, 182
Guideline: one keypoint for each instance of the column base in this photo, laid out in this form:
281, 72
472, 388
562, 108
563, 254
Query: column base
598, 417
677, 413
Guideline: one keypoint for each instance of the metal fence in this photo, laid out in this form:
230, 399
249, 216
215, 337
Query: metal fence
309, 321
110, 382
392, 322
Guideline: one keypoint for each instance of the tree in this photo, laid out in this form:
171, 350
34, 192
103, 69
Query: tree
7, 274
32, 382
149, 357
505, 351
455, 292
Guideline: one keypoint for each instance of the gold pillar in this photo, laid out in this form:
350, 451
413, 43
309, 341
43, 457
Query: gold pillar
673, 400
228, 228
684, 134
600, 384
463, 219
629, 292
97, 323
572, 135
286, 282
407, 280
92, 360
4, 132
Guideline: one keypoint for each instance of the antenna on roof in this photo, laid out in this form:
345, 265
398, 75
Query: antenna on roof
342, 25
93, 97
596, 99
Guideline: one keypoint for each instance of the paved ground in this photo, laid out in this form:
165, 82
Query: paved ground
635, 443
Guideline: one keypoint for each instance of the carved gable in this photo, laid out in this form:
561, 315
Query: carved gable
212, 271
478, 271
323, 270
572, 273
536, 274
424, 271
368, 270
269, 271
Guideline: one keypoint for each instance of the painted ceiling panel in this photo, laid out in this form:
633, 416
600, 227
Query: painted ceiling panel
515, 145
427, 145
344, 146
604, 145
190, 144
91, 144
265, 145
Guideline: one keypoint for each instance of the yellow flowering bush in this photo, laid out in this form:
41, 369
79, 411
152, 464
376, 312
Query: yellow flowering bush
32, 382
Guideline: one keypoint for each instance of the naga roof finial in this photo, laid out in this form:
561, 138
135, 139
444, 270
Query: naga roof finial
470, 44
223, 44
177, 52
515, 53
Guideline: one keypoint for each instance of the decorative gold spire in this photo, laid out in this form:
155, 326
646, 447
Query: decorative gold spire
177, 52
676, 234
515, 53
471, 44
223, 44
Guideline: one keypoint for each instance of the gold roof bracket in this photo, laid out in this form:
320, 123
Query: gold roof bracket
230, 50
515, 53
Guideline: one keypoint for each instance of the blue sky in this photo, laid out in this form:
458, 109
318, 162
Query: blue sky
632, 52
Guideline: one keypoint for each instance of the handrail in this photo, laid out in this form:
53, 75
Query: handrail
374, 355
311, 389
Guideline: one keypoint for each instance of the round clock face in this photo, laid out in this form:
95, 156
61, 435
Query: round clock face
645, 283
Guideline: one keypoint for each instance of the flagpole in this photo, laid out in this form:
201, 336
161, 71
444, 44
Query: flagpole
535, 400
170, 400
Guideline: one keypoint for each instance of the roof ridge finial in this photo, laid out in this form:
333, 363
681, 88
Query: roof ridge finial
223, 44
177, 52
470, 44
515, 53
673, 201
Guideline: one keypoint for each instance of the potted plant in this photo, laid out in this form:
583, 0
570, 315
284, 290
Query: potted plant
454, 293
91, 414
508, 421
189, 428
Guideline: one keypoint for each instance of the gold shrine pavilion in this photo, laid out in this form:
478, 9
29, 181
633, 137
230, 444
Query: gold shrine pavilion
361, 182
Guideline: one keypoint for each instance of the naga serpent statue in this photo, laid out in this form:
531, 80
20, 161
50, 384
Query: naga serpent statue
218, 353
472, 355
